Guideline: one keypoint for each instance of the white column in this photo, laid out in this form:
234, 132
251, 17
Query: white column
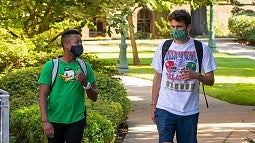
5, 108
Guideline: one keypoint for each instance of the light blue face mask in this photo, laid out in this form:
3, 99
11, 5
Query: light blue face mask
179, 35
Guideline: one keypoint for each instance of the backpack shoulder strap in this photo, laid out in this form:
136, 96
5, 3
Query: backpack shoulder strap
82, 65
165, 48
199, 51
55, 63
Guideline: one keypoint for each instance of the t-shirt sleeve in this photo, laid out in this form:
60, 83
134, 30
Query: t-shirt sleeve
90, 73
208, 62
46, 73
157, 59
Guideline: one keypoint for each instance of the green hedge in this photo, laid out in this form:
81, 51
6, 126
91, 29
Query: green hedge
99, 129
100, 65
249, 34
20, 52
22, 86
242, 25
111, 110
111, 89
26, 127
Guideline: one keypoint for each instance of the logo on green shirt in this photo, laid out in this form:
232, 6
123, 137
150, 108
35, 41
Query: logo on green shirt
68, 75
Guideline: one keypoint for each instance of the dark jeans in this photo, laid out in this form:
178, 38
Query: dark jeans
69, 133
168, 124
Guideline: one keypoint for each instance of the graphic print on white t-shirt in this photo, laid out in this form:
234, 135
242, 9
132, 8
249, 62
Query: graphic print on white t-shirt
175, 62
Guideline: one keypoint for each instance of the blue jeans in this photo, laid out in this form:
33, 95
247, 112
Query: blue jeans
168, 124
71, 133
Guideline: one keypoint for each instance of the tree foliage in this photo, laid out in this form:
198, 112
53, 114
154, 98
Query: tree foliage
162, 5
35, 17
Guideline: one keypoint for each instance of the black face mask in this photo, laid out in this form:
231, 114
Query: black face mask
77, 50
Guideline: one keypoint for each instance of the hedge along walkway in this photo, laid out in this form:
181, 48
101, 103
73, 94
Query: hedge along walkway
220, 123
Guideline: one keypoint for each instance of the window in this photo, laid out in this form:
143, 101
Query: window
99, 29
144, 20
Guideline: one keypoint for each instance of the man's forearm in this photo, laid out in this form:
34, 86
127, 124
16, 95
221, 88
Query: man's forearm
43, 95
207, 79
43, 105
92, 93
155, 88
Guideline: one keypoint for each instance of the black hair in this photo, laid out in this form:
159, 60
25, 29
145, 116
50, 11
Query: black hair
68, 32
180, 15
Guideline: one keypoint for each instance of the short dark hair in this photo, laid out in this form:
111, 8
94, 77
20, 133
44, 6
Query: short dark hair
180, 15
68, 32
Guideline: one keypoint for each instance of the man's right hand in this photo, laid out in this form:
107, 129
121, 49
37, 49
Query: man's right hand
48, 129
153, 108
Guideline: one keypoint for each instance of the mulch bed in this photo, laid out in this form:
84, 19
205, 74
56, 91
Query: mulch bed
121, 133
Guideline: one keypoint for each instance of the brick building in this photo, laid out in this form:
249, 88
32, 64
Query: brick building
144, 22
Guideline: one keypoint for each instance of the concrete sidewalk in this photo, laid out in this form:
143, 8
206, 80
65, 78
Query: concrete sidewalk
220, 123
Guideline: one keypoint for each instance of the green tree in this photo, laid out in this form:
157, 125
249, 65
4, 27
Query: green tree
36, 17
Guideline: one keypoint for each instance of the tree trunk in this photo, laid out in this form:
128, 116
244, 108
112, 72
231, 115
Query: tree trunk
199, 22
136, 60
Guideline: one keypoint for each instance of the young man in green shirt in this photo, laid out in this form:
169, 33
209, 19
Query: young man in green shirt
62, 103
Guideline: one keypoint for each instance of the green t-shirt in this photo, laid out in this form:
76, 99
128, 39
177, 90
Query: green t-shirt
66, 99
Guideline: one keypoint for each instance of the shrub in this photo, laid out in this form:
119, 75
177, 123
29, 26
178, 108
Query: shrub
111, 110
16, 53
163, 28
22, 86
100, 65
19, 52
142, 35
47, 41
111, 89
240, 22
13, 50
249, 34
26, 127
99, 129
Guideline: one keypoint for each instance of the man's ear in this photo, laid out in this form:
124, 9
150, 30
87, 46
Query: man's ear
65, 46
189, 27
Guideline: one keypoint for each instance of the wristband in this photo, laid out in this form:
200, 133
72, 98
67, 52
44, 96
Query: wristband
45, 121
88, 86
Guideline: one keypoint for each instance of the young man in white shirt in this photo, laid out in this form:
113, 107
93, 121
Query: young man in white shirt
175, 89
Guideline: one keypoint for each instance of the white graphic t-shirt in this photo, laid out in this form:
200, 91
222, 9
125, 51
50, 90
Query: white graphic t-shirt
180, 97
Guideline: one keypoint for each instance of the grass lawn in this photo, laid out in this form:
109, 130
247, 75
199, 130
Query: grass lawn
234, 79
